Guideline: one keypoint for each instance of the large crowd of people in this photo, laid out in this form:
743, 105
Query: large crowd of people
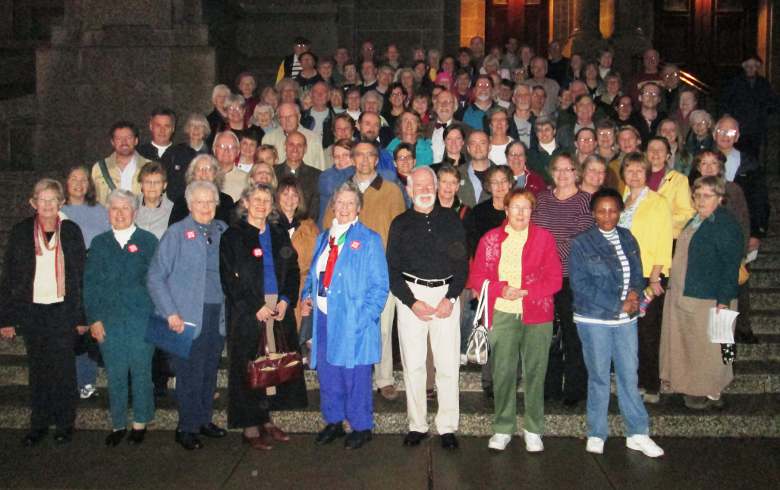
598, 215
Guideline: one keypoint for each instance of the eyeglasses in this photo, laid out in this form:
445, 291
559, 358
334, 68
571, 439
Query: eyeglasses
404, 158
651, 94
227, 147
726, 132
520, 209
586, 140
562, 170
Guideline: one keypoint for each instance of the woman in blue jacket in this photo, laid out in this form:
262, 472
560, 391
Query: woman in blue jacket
347, 288
605, 271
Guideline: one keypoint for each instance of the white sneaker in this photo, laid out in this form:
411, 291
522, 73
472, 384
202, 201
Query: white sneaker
533, 442
87, 392
499, 441
642, 442
595, 445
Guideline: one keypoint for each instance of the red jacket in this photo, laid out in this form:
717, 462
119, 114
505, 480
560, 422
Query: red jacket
541, 274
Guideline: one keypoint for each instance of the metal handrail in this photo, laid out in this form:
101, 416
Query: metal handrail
689, 79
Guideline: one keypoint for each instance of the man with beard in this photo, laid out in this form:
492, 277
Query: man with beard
474, 113
120, 169
427, 265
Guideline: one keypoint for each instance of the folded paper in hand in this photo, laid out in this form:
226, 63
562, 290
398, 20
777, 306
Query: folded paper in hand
161, 336
720, 326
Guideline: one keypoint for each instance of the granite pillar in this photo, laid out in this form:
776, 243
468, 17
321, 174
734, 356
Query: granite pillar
585, 38
633, 33
117, 60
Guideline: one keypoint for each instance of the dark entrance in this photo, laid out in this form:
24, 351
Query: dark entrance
526, 20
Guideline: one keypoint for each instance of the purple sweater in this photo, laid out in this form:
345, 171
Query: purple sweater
564, 219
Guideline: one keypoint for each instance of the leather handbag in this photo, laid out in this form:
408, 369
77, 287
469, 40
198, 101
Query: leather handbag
272, 368
478, 346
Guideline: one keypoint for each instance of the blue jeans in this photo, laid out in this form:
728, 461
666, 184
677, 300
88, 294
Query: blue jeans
86, 370
602, 345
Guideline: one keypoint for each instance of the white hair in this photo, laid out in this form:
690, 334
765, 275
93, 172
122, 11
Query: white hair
201, 185
123, 195
410, 177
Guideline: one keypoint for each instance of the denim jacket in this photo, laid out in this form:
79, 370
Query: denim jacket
596, 276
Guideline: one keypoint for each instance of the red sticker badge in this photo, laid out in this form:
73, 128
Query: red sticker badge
132, 248
257, 252
190, 235
354, 245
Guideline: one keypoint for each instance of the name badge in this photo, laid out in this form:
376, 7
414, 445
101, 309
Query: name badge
189, 235
354, 245
132, 248
257, 252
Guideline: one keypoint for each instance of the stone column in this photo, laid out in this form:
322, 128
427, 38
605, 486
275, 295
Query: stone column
586, 35
118, 59
633, 18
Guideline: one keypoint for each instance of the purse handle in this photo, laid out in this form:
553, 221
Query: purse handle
267, 342
482, 309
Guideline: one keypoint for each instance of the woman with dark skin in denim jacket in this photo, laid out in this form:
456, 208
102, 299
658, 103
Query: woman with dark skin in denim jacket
605, 273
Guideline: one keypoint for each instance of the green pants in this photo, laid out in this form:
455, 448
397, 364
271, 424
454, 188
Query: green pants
126, 353
510, 338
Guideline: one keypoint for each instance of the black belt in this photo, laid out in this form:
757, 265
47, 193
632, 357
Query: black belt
435, 283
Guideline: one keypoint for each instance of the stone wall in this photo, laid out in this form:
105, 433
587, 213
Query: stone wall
117, 60
256, 35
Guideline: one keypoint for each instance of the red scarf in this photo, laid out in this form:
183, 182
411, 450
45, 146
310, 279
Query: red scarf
59, 258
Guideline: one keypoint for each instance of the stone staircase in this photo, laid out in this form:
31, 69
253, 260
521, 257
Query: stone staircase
752, 400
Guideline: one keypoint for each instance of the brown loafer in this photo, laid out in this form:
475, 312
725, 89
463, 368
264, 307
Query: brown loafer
276, 433
257, 443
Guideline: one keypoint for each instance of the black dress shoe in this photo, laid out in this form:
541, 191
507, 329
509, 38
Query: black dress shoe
745, 338
414, 438
357, 438
136, 436
115, 437
330, 433
188, 440
449, 441
63, 436
211, 430
34, 437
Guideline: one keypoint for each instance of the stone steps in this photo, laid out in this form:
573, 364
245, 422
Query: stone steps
743, 416
750, 377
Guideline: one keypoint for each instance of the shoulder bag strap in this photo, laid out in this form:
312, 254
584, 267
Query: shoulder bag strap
482, 305
106, 175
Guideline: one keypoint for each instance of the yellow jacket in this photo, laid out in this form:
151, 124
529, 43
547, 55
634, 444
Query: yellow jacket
652, 228
675, 189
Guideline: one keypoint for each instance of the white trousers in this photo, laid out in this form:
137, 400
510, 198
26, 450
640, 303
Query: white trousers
445, 344
383, 370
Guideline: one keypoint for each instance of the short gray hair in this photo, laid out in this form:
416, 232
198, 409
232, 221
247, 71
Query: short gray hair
347, 186
717, 184
189, 177
197, 119
372, 94
232, 99
410, 177
226, 132
201, 185
221, 88
123, 195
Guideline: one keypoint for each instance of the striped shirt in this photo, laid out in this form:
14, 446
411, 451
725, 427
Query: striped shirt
564, 219
614, 239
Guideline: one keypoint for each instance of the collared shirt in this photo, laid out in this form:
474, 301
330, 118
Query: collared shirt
733, 160
524, 128
429, 246
161, 149
127, 174
123, 236
437, 141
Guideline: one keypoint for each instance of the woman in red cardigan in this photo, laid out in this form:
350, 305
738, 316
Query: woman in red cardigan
520, 314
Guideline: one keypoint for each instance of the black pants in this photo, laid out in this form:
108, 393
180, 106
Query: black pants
567, 377
51, 361
649, 338
743, 320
